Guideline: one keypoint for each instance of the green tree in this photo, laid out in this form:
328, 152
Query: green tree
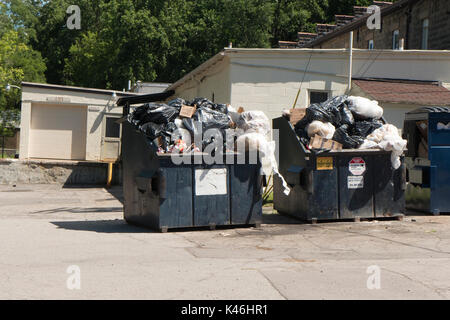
18, 62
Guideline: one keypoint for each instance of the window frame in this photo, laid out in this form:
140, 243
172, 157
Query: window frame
423, 44
396, 40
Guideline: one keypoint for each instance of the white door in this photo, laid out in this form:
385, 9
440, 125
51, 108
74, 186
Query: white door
58, 132
112, 132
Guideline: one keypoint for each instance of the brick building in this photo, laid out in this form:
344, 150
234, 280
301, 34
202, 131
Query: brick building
417, 24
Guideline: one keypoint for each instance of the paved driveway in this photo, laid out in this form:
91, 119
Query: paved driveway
46, 231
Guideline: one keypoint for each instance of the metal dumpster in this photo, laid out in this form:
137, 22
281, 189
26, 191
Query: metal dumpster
428, 159
160, 194
346, 184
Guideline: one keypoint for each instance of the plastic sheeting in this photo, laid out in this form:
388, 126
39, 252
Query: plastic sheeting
387, 138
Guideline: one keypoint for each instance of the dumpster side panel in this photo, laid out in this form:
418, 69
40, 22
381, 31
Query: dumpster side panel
440, 179
211, 195
323, 202
176, 207
389, 187
137, 158
245, 194
356, 186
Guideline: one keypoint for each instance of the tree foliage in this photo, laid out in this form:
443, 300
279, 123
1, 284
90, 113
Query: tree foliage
18, 62
155, 40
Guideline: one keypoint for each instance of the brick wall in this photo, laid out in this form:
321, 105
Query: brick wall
437, 11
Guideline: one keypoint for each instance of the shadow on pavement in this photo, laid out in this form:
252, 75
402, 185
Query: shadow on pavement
116, 192
81, 210
101, 226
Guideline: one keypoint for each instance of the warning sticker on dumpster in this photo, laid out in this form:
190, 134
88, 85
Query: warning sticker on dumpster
324, 163
355, 182
357, 166
210, 181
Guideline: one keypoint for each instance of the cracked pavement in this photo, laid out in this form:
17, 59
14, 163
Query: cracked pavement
44, 229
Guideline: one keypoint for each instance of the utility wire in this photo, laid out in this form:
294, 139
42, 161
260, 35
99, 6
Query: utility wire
301, 83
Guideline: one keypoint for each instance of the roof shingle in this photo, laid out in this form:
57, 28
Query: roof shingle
401, 92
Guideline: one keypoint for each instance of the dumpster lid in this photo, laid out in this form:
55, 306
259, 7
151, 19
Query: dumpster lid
429, 110
145, 98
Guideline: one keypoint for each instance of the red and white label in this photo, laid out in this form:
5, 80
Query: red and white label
357, 166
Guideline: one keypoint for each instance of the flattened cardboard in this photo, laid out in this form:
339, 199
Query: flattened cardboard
187, 111
422, 125
296, 115
317, 142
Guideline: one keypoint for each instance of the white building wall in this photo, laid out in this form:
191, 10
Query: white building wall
215, 81
268, 79
270, 83
98, 105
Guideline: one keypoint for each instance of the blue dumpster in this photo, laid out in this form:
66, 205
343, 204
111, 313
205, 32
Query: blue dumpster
428, 159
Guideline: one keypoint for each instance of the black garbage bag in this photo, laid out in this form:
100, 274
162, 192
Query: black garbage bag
223, 108
208, 118
334, 103
161, 113
342, 136
317, 112
302, 133
138, 116
364, 128
152, 130
202, 103
177, 103
327, 111
346, 115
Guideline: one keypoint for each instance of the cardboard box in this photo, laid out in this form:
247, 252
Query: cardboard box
422, 151
422, 125
317, 142
187, 111
296, 115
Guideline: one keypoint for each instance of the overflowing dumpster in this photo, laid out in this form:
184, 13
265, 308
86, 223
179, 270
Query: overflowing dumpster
331, 182
161, 192
428, 159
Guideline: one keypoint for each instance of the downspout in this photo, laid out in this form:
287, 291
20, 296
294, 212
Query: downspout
350, 63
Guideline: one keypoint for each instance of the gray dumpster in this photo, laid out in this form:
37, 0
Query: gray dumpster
161, 195
345, 184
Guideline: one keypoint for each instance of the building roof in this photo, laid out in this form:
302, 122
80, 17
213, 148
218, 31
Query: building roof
403, 91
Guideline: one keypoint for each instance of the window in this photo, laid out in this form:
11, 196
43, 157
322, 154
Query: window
425, 24
317, 96
395, 40
370, 45
112, 128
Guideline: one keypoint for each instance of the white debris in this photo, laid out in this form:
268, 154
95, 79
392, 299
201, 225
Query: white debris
365, 108
388, 138
324, 129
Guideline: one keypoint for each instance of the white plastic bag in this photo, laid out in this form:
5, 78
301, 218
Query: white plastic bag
256, 142
388, 138
365, 108
254, 121
324, 129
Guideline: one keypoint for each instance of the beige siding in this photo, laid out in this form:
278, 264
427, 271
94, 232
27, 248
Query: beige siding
58, 132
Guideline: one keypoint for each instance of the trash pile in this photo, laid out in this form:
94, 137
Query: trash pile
347, 122
160, 123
